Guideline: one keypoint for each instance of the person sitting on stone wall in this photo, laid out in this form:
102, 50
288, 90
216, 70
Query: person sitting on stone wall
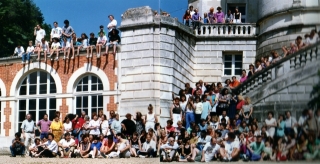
91, 45
17, 147
275, 57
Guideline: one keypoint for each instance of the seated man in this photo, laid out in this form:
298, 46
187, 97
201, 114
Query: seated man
17, 147
231, 150
33, 149
210, 151
254, 150
148, 148
66, 145
169, 150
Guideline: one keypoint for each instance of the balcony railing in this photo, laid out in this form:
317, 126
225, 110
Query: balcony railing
295, 61
227, 30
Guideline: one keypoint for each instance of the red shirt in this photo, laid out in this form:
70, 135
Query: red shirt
240, 104
170, 129
79, 123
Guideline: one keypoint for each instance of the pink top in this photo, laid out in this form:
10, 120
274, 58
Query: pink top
242, 79
44, 125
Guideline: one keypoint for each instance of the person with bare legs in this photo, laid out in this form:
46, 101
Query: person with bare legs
92, 44
102, 39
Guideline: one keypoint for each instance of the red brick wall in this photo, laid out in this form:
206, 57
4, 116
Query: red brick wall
65, 69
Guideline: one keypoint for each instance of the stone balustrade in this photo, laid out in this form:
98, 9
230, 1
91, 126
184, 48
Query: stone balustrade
227, 30
284, 66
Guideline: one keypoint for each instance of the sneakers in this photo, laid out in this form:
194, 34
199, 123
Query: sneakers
27, 61
12, 156
64, 57
51, 59
103, 155
90, 56
98, 55
56, 59
22, 62
87, 55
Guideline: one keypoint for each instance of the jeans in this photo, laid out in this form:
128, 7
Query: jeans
17, 150
78, 135
187, 22
43, 134
189, 119
26, 56
253, 156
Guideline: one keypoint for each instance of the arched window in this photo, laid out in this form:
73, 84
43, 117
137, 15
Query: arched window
88, 93
36, 97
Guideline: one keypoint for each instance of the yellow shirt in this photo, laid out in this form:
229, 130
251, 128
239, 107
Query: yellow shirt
56, 125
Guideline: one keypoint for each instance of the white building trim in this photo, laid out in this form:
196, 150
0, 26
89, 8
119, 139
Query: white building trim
3, 105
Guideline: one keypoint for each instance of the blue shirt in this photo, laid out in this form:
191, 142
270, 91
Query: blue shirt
203, 127
280, 129
97, 145
205, 110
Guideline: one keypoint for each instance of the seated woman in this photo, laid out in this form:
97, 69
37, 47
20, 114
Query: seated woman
102, 39
134, 144
108, 146
44, 47
84, 147
84, 43
55, 48
33, 149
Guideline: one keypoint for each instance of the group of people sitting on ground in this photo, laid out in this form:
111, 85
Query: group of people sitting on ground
64, 40
84, 138
193, 19
210, 122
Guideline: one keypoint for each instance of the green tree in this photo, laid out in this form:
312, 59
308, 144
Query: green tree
17, 21
315, 95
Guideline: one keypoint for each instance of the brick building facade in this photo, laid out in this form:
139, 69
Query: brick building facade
67, 86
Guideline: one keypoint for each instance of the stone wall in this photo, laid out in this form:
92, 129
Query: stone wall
280, 22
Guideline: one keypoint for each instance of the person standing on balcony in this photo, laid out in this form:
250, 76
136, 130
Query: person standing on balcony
237, 16
187, 18
229, 17
39, 33
196, 19
211, 17
251, 70
243, 76
219, 16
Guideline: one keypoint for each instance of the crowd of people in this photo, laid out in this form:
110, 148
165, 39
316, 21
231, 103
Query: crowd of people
64, 40
88, 137
193, 18
209, 122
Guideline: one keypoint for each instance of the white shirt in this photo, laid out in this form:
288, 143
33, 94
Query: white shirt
151, 144
19, 51
96, 124
56, 32
210, 150
111, 24
214, 125
226, 117
313, 40
168, 146
53, 146
55, 46
230, 146
40, 34
67, 126
290, 122
198, 108
192, 12
30, 49
104, 127
183, 105
64, 142
102, 39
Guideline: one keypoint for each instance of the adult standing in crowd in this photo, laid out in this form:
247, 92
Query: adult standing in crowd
291, 124
77, 131
39, 33
28, 131
229, 17
56, 32
151, 118
211, 17
176, 112
44, 125
56, 128
196, 19
271, 124
112, 24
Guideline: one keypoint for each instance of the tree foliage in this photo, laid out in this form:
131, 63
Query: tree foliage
315, 94
17, 21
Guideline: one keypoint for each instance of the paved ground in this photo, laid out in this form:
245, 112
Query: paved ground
28, 160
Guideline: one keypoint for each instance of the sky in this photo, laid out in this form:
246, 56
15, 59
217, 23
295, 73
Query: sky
85, 16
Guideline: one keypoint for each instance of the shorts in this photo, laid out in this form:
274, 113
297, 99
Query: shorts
113, 43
